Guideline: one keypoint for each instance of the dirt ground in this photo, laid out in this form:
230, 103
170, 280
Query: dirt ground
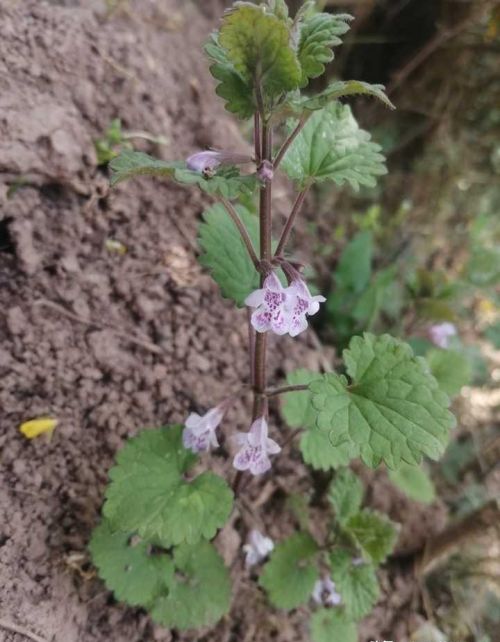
109, 343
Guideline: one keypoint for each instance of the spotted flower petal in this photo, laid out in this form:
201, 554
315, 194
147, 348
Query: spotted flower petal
199, 431
255, 447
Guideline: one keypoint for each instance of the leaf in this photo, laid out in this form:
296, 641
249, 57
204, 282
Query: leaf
226, 182
450, 368
339, 89
149, 495
374, 533
225, 254
319, 452
318, 34
36, 427
232, 87
258, 46
392, 411
357, 584
328, 625
355, 265
296, 408
130, 164
290, 574
131, 570
200, 591
331, 146
346, 494
414, 482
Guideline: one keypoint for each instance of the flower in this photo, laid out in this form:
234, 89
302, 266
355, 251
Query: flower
324, 592
257, 548
255, 448
269, 301
357, 561
440, 334
299, 304
199, 431
265, 171
204, 161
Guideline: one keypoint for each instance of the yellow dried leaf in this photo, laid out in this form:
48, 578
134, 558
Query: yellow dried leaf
36, 427
112, 245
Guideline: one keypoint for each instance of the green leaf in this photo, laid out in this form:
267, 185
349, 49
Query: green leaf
355, 265
319, 452
339, 89
148, 493
392, 410
130, 569
232, 87
492, 334
258, 46
225, 254
357, 584
414, 482
130, 164
328, 625
374, 533
331, 146
346, 494
451, 369
296, 408
226, 182
318, 34
200, 592
290, 574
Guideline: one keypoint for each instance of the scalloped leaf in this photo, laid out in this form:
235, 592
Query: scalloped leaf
340, 89
199, 593
373, 532
393, 409
318, 34
451, 369
290, 574
226, 182
232, 87
225, 254
346, 494
258, 45
415, 482
149, 495
319, 452
328, 625
357, 584
130, 568
332, 146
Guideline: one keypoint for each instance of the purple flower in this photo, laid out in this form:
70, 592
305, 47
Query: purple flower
255, 448
199, 431
324, 592
207, 162
270, 313
440, 334
257, 548
265, 171
300, 303
357, 561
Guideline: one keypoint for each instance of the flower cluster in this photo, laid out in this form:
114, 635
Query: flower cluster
254, 447
325, 593
282, 310
257, 548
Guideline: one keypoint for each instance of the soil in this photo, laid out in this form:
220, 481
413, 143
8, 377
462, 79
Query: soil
108, 342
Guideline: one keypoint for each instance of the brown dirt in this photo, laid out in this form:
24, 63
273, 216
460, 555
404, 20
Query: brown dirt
109, 343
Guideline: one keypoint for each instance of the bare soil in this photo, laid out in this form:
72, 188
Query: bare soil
109, 343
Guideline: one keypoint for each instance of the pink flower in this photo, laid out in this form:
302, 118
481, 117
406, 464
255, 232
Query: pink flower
440, 334
257, 548
270, 313
199, 431
300, 303
207, 162
255, 448
265, 171
325, 593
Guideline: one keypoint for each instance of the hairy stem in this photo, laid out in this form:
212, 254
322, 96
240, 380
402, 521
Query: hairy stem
242, 230
284, 148
285, 235
259, 379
